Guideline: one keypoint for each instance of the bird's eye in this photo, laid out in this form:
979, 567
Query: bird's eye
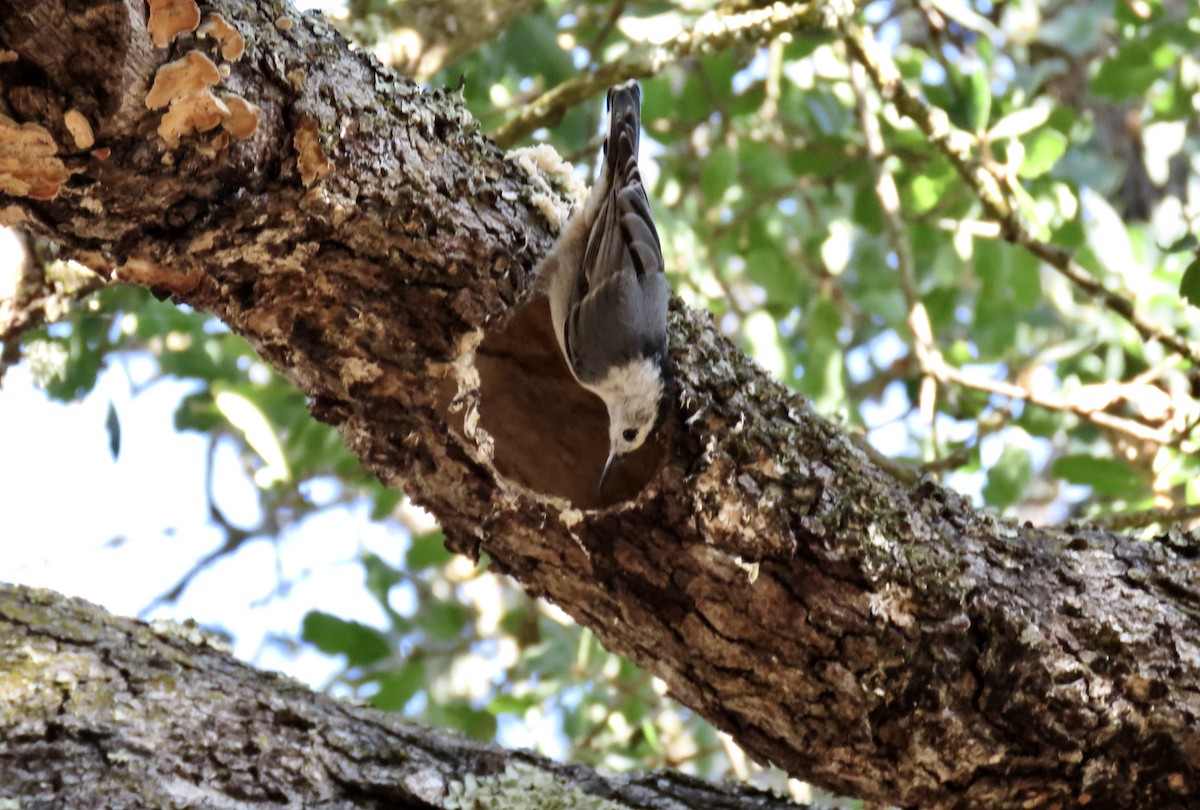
629, 435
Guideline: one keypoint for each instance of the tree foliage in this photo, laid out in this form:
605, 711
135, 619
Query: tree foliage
854, 251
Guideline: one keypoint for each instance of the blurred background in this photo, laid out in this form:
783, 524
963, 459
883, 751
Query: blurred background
152, 464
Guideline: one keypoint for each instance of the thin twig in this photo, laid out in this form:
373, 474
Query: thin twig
1134, 429
933, 365
991, 188
610, 22
712, 32
1148, 517
928, 355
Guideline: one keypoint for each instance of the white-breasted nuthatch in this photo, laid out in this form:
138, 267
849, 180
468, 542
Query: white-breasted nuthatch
608, 292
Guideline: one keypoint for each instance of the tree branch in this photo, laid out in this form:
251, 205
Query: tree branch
714, 31
428, 35
112, 712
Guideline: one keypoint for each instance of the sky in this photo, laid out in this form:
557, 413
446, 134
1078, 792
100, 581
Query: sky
119, 532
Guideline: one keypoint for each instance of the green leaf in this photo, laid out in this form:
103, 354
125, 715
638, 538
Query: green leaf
1026, 277
1009, 477
718, 174
511, 704
360, 644
764, 166
397, 688
1106, 476
113, 425
766, 268
1186, 243
1042, 151
1189, 285
386, 501
981, 98
460, 715
443, 621
1040, 422
1077, 29
380, 577
427, 551
1132, 70
650, 732
198, 412
531, 45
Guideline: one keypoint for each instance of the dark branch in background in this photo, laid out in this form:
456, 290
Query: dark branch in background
235, 536
1123, 521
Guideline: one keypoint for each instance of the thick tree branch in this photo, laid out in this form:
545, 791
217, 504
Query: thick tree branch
102, 711
883, 640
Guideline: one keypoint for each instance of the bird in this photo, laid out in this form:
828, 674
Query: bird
608, 288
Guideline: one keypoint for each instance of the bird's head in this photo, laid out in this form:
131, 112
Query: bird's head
632, 392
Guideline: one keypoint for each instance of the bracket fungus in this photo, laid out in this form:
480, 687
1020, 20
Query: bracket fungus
184, 86
28, 166
243, 116
80, 129
220, 29
192, 73
196, 112
170, 18
310, 160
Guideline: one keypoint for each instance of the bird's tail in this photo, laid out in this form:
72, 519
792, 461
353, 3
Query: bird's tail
624, 124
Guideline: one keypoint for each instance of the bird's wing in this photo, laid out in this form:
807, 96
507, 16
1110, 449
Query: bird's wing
621, 301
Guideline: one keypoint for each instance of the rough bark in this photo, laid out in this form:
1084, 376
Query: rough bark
876, 636
101, 711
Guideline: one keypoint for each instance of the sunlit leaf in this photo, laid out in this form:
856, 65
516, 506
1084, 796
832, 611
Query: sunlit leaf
1042, 151
1019, 122
967, 17
260, 435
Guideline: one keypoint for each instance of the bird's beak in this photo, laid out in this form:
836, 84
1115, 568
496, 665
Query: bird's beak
612, 454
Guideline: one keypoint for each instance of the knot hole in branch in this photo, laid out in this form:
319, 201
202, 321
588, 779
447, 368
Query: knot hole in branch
550, 434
